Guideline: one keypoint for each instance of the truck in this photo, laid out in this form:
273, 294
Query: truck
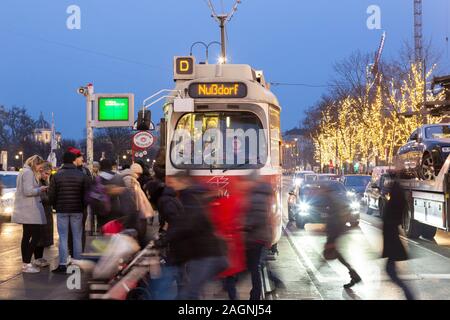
428, 200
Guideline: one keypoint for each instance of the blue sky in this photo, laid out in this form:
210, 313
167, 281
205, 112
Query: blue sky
42, 63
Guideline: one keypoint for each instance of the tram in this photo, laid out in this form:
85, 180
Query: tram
222, 123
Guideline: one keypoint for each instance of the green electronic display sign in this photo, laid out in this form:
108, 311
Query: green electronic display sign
113, 109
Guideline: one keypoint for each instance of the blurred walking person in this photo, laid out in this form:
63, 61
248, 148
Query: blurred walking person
203, 253
29, 211
113, 200
258, 233
336, 228
66, 194
164, 199
228, 217
46, 238
393, 248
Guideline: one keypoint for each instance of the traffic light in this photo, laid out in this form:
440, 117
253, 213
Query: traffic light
144, 119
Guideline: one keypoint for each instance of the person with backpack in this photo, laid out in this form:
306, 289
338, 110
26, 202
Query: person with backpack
111, 200
66, 194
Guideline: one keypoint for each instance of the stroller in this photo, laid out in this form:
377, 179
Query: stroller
119, 270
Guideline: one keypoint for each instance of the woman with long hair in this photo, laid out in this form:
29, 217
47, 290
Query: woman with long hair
28, 210
46, 237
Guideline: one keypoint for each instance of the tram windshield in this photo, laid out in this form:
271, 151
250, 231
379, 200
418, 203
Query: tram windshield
219, 140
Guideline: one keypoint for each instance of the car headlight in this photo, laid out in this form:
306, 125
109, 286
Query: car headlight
355, 205
446, 149
351, 194
7, 196
303, 208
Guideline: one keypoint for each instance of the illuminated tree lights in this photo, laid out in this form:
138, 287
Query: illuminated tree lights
369, 128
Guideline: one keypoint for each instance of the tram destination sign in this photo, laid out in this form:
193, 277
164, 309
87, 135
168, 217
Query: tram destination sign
217, 90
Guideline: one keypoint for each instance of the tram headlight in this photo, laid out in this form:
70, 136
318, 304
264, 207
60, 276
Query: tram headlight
298, 182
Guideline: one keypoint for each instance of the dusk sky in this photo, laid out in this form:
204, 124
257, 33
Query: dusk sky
128, 46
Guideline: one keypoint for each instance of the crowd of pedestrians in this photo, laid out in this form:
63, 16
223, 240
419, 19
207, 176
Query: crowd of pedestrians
200, 236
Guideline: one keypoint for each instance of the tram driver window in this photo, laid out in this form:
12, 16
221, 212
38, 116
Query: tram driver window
237, 141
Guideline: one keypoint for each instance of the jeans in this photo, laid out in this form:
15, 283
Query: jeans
75, 221
163, 288
30, 238
254, 253
199, 272
83, 237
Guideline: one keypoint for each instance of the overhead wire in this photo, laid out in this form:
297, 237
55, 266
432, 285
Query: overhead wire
66, 45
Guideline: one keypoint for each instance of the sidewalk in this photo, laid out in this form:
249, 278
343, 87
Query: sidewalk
48, 286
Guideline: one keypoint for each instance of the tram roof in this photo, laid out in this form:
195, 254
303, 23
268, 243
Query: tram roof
257, 88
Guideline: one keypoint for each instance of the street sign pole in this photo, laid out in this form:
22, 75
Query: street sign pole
89, 130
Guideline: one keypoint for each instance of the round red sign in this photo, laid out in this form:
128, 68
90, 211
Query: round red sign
143, 139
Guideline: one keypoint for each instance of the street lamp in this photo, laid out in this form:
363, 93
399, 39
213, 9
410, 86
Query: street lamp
20, 155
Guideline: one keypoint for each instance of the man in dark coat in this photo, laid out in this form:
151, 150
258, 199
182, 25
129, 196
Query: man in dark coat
393, 248
66, 194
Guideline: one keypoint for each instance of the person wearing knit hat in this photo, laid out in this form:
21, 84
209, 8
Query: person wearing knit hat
136, 169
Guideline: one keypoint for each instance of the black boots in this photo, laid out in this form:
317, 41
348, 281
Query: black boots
355, 278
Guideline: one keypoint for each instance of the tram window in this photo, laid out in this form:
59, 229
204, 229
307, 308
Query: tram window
275, 137
219, 140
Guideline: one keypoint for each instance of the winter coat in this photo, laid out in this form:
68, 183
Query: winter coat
169, 207
28, 208
227, 216
257, 222
143, 205
46, 239
392, 245
191, 232
123, 206
67, 190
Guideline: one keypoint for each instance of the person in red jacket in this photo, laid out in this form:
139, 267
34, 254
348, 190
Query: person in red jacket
227, 218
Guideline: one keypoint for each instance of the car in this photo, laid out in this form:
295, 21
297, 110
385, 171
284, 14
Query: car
376, 193
298, 177
425, 151
356, 185
327, 177
312, 207
8, 179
